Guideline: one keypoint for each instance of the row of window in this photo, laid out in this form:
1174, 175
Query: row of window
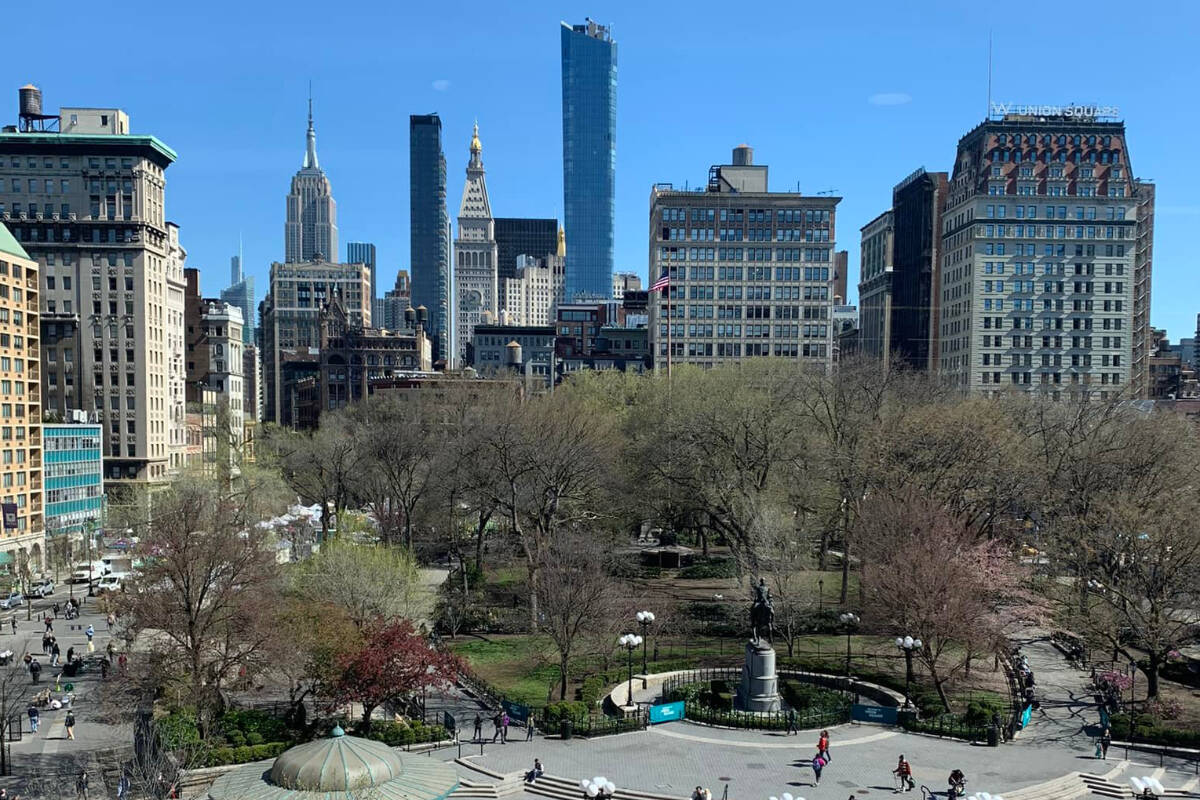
1054, 287
1050, 268
749, 349
1047, 377
1050, 360
790, 254
1051, 341
1056, 323
751, 331
1000, 211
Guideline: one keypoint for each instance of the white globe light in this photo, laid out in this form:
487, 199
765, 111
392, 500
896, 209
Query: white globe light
908, 642
599, 781
591, 790
610, 788
787, 796
773, 798
650, 615
583, 784
984, 796
917, 643
899, 642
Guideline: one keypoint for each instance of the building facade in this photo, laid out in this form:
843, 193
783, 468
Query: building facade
74, 476
88, 204
22, 530
875, 287
589, 111
215, 365
751, 271
535, 292
291, 324
476, 284
1143, 262
394, 304
526, 350
519, 236
623, 282
1040, 236
363, 253
310, 232
429, 238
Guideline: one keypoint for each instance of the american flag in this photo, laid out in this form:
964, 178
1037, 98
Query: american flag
661, 284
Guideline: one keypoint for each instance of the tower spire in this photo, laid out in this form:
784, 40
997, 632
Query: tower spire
310, 153
476, 148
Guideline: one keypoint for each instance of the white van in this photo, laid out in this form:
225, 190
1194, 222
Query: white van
112, 582
85, 572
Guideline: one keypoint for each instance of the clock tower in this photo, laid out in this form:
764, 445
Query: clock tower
475, 256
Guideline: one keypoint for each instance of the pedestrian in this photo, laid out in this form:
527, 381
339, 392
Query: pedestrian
701, 794
903, 771
81, 784
478, 727
35, 670
28, 660
13, 621
123, 785
35, 717
55, 652
121, 662
1105, 743
536, 772
111, 619
55, 609
90, 632
818, 764
529, 728
69, 722
496, 726
49, 623
45, 643
793, 726
104, 669
503, 727
823, 747
70, 653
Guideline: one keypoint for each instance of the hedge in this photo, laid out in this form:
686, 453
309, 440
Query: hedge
398, 734
1150, 730
222, 756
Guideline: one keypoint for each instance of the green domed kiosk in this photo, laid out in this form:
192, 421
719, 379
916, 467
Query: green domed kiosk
339, 768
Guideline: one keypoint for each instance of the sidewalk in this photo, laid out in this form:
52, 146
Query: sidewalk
1068, 715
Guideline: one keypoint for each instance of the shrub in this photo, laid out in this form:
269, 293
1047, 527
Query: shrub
573, 710
592, 689
220, 756
253, 738
268, 727
178, 729
709, 569
1148, 730
235, 738
242, 754
980, 712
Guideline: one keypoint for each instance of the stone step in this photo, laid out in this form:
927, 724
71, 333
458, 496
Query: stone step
555, 786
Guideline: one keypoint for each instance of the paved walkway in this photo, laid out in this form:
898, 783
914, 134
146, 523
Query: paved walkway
1068, 716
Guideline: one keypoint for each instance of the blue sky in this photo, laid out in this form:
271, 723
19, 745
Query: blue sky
797, 81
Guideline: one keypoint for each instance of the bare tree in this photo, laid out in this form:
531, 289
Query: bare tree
368, 582
576, 592
203, 599
320, 466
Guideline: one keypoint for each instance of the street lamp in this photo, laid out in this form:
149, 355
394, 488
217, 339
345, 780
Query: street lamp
1132, 697
644, 619
630, 642
850, 620
598, 788
907, 644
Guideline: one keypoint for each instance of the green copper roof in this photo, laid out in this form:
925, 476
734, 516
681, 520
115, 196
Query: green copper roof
10, 245
91, 140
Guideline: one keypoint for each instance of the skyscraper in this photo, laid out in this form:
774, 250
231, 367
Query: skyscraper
311, 227
589, 111
240, 293
475, 281
518, 236
363, 253
1044, 225
429, 233
88, 202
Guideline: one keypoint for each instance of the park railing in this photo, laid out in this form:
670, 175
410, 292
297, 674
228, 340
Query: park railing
950, 725
772, 720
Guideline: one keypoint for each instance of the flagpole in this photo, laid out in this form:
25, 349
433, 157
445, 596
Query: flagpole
669, 324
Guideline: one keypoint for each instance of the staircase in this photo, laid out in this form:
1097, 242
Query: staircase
495, 785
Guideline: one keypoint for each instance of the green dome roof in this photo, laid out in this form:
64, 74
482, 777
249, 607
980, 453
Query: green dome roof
337, 764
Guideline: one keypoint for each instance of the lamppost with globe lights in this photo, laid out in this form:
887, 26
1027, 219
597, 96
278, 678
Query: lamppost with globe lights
786, 796
907, 644
630, 642
644, 619
850, 620
598, 788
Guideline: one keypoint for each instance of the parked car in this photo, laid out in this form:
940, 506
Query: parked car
12, 600
42, 588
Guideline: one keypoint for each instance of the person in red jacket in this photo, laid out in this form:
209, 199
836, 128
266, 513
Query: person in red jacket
904, 771
823, 747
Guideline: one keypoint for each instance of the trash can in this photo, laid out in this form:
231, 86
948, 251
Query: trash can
993, 735
565, 728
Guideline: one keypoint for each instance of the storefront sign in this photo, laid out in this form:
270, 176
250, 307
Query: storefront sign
1072, 111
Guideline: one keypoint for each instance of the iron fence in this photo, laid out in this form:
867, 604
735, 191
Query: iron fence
771, 720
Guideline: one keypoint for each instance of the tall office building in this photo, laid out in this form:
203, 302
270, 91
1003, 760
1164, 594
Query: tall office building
74, 476
520, 236
1143, 257
22, 533
240, 293
363, 253
589, 111
429, 230
475, 254
751, 270
1041, 232
291, 324
393, 305
87, 200
533, 296
898, 294
311, 228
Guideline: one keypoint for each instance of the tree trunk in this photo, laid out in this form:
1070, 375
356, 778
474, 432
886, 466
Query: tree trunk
366, 720
480, 529
823, 551
562, 670
1152, 676
845, 554
533, 601
939, 684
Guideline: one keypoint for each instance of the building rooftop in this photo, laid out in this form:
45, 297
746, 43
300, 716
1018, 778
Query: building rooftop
91, 141
9, 244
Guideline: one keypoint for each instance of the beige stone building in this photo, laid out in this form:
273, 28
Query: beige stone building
86, 199
22, 534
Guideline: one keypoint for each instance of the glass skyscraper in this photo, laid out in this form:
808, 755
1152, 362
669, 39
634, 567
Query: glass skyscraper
363, 253
240, 293
74, 474
589, 108
429, 234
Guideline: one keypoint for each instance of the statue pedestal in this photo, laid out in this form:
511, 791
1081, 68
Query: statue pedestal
759, 689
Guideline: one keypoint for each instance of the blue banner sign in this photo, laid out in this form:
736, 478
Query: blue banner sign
517, 712
1025, 715
881, 714
667, 712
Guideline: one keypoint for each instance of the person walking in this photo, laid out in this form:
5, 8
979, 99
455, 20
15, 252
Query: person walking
69, 722
91, 631
13, 621
504, 727
478, 728
823, 747
35, 670
35, 717
496, 727
529, 728
81, 785
793, 727
123, 786
49, 623
903, 771
55, 653
55, 608
45, 644
111, 619
1105, 743
818, 764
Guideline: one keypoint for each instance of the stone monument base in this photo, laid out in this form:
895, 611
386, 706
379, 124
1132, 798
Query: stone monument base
759, 689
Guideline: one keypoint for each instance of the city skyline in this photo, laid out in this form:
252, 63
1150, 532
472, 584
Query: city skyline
884, 111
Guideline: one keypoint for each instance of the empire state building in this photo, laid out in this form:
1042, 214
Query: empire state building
311, 227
